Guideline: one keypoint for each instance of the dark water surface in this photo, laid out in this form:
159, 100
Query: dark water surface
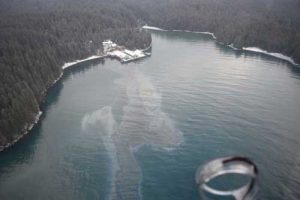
140, 130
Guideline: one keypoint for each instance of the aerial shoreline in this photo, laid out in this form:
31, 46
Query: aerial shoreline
245, 49
68, 65
28, 127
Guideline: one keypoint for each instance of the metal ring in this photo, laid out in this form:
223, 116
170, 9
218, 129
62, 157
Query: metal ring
228, 165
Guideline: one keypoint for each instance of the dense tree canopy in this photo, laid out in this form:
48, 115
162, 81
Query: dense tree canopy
273, 25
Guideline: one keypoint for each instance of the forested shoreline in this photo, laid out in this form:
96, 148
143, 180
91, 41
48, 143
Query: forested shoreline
272, 25
39, 36
37, 39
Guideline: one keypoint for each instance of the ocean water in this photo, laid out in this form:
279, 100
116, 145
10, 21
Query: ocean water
140, 130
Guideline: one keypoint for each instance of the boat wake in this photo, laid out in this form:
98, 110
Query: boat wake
143, 122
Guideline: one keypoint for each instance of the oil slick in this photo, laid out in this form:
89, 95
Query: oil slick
142, 123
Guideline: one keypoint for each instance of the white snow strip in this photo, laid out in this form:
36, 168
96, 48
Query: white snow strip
205, 33
208, 33
69, 64
35, 122
119, 54
232, 46
153, 28
61, 74
277, 55
187, 31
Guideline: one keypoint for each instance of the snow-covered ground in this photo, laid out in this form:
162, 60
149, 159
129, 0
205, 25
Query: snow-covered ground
37, 118
127, 55
205, 32
69, 64
187, 31
277, 55
153, 28
232, 46
120, 54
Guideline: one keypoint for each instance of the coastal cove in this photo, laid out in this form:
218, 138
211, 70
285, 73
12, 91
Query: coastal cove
27, 128
250, 49
191, 101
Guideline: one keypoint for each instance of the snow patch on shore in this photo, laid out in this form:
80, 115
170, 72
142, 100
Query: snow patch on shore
277, 55
37, 118
153, 28
204, 33
69, 64
208, 33
61, 74
232, 46
187, 31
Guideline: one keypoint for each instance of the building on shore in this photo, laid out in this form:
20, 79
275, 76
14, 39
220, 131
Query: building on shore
134, 54
124, 55
108, 45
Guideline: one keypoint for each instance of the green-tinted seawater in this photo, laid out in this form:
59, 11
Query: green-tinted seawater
140, 130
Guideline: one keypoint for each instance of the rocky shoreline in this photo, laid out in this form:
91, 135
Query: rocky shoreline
27, 129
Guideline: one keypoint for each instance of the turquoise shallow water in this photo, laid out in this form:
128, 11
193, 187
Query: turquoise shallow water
140, 130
